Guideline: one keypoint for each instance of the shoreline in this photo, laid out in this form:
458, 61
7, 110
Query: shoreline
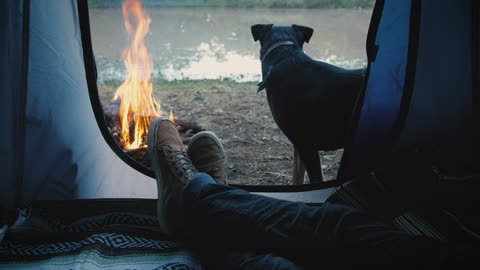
286, 4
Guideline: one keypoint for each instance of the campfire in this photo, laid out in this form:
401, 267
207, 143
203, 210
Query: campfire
133, 106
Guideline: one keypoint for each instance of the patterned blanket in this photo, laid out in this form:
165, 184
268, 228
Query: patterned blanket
92, 234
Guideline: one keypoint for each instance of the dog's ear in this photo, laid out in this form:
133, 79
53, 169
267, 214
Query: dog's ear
305, 32
259, 30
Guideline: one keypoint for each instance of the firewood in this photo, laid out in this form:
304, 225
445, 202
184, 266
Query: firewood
137, 153
112, 116
186, 125
185, 128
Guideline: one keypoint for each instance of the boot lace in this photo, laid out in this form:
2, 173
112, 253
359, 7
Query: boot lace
183, 166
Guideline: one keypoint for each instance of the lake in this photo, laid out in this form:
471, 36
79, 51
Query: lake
216, 43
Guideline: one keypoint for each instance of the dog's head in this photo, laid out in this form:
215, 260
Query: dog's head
268, 34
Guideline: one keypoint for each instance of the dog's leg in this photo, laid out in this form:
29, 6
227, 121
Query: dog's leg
310, 157
322, 178
298, 168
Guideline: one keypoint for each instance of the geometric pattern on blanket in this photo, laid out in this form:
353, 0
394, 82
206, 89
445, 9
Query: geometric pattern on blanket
92, 234
103, 221
98, 260
112, 240
48, 223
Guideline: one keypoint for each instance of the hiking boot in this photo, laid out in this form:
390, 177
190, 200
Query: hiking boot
207, 154
172, 170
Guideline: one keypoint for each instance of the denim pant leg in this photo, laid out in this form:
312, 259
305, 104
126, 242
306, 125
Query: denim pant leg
236, 219
243, 260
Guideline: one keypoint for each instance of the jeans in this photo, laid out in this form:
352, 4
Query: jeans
250, 231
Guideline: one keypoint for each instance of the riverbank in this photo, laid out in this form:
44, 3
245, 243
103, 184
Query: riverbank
258, 152
323, 4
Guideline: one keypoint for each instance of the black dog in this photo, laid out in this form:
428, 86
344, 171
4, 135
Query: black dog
311, 101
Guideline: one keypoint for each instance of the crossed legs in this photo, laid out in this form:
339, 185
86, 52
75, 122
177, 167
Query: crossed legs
249, 231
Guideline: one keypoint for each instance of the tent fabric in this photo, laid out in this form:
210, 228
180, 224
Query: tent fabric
383, 92
419, 89
476, 74
65, 155
440, 110
12, 97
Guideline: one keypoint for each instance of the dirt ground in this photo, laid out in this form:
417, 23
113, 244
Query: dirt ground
257, 151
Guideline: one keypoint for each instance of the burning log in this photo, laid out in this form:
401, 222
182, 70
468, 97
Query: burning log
112, 118
185, 128
111, 113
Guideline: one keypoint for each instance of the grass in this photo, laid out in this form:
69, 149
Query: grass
163, 87
258, 152
196, 100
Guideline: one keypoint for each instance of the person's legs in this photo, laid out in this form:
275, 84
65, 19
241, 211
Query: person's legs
173, 169
235, 218
207, 155
212, 214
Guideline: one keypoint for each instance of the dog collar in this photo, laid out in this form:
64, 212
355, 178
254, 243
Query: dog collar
276, 45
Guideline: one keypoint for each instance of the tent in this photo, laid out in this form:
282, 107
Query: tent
59, 164
422, 88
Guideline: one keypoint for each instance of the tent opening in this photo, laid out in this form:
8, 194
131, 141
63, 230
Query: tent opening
197, 63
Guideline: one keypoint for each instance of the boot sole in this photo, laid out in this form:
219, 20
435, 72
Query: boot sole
152, 151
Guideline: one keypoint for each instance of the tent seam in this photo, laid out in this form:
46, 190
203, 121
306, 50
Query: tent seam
19, 171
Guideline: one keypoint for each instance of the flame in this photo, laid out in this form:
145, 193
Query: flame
170, 116
135, 94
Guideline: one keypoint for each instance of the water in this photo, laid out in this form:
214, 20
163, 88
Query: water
216, 43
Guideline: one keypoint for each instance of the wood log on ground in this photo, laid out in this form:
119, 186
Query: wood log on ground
185, 128
112, 115
188, 126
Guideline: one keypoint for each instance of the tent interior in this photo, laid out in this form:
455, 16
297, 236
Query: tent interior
70, 198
